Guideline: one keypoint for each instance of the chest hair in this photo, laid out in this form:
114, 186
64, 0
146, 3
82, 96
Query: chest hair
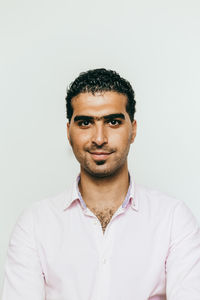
104, 215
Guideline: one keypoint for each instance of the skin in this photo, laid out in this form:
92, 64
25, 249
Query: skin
100, 133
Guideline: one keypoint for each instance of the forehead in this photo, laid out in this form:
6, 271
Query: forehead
99, 103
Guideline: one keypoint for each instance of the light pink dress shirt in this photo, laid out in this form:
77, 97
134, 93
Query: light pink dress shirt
150, 250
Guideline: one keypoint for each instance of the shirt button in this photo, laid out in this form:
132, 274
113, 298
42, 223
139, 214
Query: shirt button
104, 261
95, 222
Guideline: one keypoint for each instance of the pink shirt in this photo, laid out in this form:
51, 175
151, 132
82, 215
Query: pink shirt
150, 250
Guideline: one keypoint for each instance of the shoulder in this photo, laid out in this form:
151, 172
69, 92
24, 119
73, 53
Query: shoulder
148, 196
153, 201
45, 208
157, 206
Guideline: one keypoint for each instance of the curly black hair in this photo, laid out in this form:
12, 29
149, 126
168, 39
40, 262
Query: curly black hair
100, 80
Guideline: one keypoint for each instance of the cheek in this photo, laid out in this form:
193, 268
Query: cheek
120, 138
78, 140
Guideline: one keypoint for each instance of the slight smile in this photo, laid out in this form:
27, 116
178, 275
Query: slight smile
100, 155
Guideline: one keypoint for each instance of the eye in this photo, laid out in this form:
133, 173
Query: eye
84, 123
114, 122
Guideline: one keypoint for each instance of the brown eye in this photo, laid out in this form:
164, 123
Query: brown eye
114, 122
84, 123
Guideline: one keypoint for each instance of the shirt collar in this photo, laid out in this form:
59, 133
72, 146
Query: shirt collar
76, 195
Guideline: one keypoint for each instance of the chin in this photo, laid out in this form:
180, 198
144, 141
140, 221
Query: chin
101, 172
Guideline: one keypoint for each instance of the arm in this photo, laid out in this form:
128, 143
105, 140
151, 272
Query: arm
183, 261
23, 273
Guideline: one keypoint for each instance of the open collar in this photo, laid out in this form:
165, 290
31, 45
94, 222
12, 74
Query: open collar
75, 195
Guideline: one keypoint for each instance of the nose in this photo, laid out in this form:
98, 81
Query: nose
99, 135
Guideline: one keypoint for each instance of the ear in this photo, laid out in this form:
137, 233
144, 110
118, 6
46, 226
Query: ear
68, 135
134, 130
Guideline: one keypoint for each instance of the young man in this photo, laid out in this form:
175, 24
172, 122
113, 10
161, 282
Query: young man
106, 238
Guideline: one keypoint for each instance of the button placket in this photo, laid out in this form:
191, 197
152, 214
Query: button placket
105, 248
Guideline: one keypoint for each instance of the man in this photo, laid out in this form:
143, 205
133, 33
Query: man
106, 238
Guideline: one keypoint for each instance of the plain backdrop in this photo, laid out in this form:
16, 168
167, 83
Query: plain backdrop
46, 44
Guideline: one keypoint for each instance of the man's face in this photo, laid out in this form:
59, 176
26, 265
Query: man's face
100, 132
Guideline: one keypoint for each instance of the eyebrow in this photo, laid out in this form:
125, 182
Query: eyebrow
107, 117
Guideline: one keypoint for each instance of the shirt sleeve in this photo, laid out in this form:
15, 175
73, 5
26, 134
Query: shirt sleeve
23, 273
183, 261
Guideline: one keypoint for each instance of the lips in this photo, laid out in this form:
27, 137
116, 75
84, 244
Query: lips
100, 155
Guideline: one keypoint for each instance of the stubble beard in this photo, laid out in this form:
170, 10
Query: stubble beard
108, 171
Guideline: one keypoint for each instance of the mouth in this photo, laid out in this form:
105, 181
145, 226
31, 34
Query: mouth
100, 155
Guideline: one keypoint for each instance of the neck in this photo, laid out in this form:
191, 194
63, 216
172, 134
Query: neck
104, 192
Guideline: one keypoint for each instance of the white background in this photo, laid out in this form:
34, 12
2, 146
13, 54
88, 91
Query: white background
46, 44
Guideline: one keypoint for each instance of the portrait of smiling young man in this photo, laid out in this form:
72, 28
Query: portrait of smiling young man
106, 237
100, 133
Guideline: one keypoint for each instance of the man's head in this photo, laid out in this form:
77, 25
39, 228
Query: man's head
100, 80
101, 122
